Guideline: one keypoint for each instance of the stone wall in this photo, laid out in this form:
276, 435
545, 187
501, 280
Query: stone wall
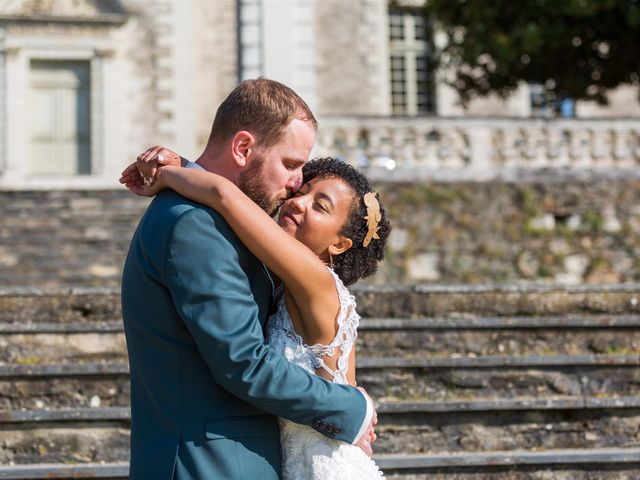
574, 232
571, 233
351, 54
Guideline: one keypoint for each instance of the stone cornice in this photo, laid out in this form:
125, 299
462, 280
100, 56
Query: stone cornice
105, 18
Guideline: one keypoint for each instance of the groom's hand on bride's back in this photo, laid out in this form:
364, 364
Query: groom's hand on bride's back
369, 436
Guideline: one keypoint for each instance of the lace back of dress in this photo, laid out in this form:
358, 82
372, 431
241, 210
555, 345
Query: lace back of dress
348, 321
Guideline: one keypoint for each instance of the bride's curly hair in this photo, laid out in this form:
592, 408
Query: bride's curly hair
359, 261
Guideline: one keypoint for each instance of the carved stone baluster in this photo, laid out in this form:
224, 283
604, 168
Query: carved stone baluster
477, 147
431, 158
621, 148
351, 145
600, 147
554, 144
386, 143
461, 147
565, 149
444, 147
330, 141
373, 147
533, 140
579, 139
409, 148
3, 102
398, 140
420, 146
509, 150
325, 145
339, 145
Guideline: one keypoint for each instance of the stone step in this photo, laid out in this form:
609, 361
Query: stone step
68, 261
24, 238
79, 202
488, 361
402, 302
573, 464
50, 435
475, 322
107, 390
535, 335
384, 326
532, 429
109, 214
498, 376
496, 300
56, 385
550, 457
105, 471
60, 305
89, 326
71, 442
400, 338
47, 348
387, 409
99, 274
42, 348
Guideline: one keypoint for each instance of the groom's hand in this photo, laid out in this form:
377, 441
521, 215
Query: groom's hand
369, 436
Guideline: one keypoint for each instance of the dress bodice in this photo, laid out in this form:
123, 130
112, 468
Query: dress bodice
285, 341
308, 455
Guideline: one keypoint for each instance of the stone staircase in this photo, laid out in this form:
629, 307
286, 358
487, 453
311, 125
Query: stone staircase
484, 382
66, 238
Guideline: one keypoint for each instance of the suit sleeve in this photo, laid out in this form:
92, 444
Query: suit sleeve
213, 297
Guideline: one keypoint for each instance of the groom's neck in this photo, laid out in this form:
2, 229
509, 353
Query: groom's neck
217, 162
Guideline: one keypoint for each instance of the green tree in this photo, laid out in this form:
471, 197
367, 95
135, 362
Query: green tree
577, 48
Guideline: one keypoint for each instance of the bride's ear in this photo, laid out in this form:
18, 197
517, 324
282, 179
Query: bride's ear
242, 146
340, 246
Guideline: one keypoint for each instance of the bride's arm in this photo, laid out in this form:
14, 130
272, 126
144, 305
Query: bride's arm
309, 281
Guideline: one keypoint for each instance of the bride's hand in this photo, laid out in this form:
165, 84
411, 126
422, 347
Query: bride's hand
132, 179
149, 161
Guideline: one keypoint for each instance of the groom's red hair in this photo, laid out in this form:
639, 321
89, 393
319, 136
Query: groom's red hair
262, 107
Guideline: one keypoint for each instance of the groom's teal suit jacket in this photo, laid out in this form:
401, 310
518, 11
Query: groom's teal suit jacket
205, 389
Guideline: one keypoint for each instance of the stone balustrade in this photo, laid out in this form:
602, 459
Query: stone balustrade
481, 146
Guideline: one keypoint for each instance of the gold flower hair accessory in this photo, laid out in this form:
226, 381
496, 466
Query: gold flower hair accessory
373, 217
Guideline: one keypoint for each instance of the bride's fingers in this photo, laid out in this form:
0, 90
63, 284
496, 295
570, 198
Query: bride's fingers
147, 168
149, 153
144, 154
129, 170
129, 176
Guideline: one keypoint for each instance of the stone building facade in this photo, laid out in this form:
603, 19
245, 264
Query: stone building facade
87, 84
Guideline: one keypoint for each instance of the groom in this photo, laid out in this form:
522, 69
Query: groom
206, 390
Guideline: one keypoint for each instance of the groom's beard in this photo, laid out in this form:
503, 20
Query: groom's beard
251, 183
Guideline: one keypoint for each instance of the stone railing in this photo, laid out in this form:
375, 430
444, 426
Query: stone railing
481, 146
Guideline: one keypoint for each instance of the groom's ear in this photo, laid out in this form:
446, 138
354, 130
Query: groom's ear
242, 146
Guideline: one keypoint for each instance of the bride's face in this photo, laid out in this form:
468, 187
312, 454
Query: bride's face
317, 212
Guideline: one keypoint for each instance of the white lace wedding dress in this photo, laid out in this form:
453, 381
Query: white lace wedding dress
307, 454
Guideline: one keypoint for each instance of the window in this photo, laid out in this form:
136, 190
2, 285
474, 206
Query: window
412, 91
60, 118
545, 103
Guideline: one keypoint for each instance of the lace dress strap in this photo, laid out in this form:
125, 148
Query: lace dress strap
348, 321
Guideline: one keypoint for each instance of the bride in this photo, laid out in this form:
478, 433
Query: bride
330, 234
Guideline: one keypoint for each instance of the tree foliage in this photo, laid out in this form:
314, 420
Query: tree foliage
577, 48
